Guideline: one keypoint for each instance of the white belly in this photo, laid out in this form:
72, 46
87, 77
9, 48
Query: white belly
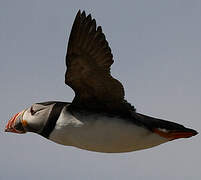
103, 134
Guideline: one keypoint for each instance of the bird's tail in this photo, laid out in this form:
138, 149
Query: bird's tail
165, 128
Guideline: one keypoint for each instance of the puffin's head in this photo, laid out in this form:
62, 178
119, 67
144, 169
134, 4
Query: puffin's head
32, 119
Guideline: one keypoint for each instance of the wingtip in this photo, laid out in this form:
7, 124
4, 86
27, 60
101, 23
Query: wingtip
79, 11
89, 18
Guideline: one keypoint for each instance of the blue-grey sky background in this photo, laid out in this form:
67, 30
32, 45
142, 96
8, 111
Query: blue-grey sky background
157, 51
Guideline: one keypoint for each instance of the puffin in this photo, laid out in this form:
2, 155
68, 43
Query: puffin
99, 118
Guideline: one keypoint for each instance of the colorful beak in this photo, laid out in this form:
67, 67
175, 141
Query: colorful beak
10, 127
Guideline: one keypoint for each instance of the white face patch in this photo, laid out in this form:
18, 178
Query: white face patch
40, 116
102, 134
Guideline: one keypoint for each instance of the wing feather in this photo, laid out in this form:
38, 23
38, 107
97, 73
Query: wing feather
88, 63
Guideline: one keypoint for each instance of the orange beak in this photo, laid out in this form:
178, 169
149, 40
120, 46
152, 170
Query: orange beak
10, 127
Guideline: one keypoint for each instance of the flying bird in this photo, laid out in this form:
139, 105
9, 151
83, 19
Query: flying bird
99, 118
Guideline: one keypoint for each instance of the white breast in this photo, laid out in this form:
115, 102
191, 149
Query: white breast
103, 134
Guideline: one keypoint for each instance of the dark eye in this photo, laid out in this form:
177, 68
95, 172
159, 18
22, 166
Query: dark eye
32, 111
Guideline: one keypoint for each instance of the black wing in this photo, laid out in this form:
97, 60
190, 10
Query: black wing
88, 63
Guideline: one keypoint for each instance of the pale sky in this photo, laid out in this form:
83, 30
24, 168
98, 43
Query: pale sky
157, 51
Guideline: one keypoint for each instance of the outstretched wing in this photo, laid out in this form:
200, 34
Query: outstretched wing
88, 63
